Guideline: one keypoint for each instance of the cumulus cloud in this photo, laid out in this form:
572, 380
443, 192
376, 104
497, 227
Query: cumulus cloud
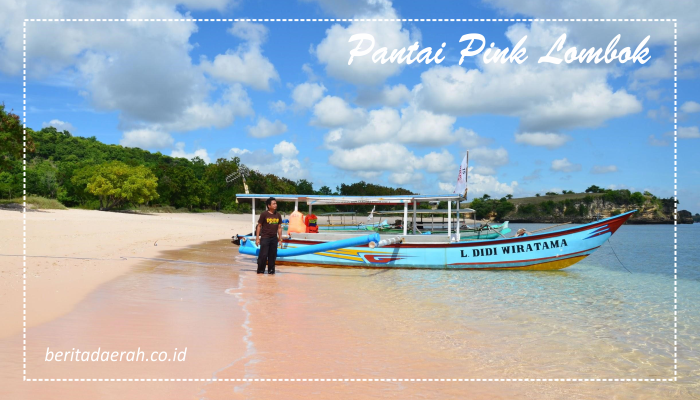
480, 185
246, 64
564, 165
278, 106
179, 151
264, 128
390, 96
657, 142
410, 125
147, 139
544, 101
334, 49
688, 132
333, 112
549, 140
603, 169
307, 94
690, 107
59, 125
282, 161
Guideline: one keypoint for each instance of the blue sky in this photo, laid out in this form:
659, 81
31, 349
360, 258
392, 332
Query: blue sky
281, 96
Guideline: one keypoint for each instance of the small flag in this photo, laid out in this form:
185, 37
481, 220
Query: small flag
462, 177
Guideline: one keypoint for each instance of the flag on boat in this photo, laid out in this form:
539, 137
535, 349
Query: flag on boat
462, 177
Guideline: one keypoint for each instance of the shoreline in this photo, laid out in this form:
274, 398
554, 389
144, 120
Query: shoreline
71, 253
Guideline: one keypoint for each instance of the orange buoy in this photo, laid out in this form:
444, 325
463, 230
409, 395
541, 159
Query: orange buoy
296, 223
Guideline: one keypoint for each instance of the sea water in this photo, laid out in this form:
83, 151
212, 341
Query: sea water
612, 316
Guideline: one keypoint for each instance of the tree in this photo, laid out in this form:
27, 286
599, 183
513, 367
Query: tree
638, 199
509, 196
595, 189
304, 187
12, 138
116, 183
324, 191
551, 194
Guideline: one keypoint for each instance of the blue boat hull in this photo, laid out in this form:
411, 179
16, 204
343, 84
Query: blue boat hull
546, 251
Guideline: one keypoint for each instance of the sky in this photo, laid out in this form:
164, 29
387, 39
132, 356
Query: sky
282, 97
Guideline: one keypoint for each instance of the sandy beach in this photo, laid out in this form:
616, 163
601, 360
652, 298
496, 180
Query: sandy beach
116, 291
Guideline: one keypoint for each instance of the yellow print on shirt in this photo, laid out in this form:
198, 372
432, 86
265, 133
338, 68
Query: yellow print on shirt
273, 221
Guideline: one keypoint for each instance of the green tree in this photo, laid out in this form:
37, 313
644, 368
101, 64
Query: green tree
304, 187
12, 138
638, 199
116, 183
595, 189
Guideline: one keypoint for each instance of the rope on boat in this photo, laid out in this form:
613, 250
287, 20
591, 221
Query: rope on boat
618, 258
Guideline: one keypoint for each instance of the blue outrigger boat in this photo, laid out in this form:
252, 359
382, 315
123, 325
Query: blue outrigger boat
543, 251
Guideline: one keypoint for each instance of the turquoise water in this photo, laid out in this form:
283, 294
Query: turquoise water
595, 319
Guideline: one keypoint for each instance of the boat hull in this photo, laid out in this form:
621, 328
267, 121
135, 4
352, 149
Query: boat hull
546, 251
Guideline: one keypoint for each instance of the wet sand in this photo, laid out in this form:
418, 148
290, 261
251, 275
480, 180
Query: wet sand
324, 323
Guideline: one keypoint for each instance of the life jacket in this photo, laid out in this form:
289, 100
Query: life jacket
311, 222
296, 223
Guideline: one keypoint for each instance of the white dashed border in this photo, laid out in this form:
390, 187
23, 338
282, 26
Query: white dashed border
675, 194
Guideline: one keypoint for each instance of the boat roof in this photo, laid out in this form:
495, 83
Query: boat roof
336, 213
330, 199
425, 211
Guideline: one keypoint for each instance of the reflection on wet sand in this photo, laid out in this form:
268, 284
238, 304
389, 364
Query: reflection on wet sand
321, 323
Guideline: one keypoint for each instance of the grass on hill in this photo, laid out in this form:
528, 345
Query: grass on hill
559, 197
36, 202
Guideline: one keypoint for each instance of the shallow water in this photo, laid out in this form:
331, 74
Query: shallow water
597, 319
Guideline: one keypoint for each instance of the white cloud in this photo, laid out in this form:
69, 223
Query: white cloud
246, 64
603, 169
285, 149
282, 161
264, 128
147, 139
307, 94
543, 100
600, 34
179, 151
278, 106
60, 125
690, 107
377, 157
688, 132
390, 96
549, 140
446, 187
657, 142
254, 33
564, 165
487, 157
233, 103
236, 152
469, 139
409, 126
403, 178
334, 50
333, 112
486, 184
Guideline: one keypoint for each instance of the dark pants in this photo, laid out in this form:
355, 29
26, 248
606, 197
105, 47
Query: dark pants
268, 255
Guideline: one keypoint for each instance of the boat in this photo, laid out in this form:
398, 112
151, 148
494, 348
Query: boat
541, 251
433, 227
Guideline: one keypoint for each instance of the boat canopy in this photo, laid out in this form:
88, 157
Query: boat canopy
331, 200
426, 211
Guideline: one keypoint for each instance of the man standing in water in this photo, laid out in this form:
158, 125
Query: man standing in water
268, 235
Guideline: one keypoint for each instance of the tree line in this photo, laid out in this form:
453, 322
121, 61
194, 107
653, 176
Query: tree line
86, 173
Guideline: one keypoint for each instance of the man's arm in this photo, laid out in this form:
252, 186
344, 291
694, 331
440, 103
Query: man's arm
257, 234
279, 234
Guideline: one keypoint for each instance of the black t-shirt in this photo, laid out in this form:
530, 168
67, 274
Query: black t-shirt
270, 224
